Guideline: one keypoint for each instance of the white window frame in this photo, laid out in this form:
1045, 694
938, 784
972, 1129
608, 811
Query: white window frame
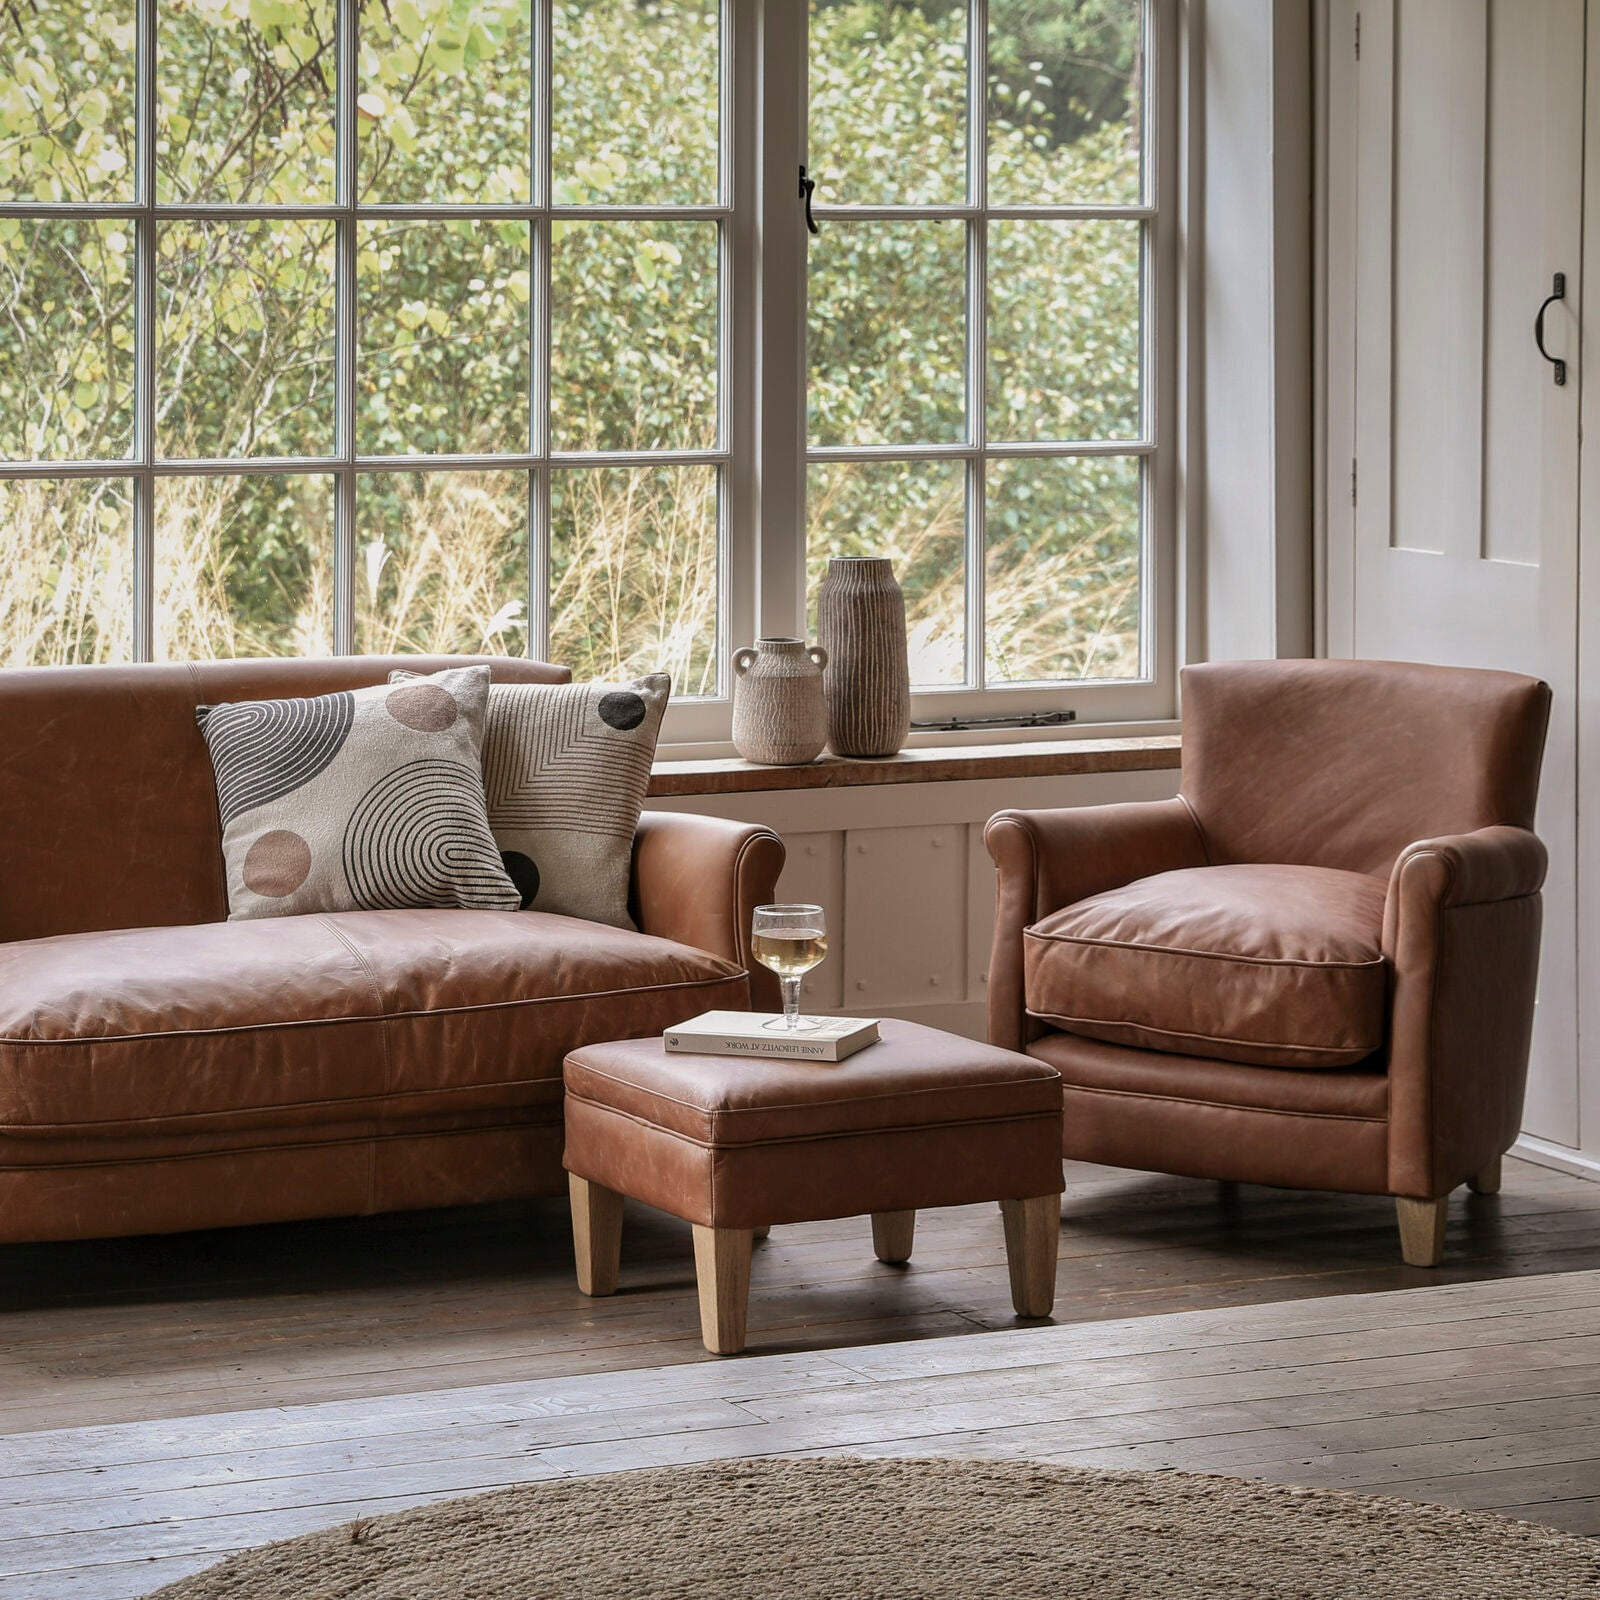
761, 451
781, 555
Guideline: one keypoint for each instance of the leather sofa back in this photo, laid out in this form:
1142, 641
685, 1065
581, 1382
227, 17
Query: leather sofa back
108, 811
1344, 763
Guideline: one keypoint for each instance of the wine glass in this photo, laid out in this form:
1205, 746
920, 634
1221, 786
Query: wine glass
790, 941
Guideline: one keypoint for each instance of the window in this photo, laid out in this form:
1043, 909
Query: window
981, 384
384, 327
388, 325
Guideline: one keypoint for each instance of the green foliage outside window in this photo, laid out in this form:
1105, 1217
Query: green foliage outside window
245, 324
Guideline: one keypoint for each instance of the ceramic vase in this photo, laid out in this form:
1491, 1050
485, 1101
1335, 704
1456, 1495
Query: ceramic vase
779, 716
861, 620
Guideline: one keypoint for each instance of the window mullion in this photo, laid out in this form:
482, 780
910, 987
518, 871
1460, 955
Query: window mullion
542, 243
144, 336
977, 336
346, 155
781, 367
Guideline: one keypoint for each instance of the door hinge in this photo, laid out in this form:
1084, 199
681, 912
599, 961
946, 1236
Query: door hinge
1358, 36
1352, 480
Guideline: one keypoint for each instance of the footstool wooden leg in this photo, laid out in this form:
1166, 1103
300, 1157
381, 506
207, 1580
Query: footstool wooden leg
892, 1232
1033, 1231
596, 1234
722, 1272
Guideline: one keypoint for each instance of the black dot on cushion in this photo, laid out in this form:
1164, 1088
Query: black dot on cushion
523, 874
622, 709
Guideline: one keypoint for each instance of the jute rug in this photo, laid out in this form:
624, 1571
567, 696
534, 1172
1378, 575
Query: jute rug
935, 1530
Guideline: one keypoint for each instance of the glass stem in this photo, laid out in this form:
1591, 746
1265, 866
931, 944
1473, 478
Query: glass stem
791, 1001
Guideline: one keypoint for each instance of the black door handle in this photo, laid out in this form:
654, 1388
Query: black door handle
1558, 291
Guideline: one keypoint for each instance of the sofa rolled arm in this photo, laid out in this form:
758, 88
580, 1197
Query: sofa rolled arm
1051, 859
1461, 928
697, 880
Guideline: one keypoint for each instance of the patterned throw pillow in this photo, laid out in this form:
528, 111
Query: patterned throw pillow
366, 800
565, 768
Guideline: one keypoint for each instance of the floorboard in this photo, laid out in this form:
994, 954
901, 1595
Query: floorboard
163, 1401
1484, 1395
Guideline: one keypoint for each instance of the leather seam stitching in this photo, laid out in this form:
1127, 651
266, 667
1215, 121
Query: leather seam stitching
1309, 962
27, 1130
1209, 1038
1199, 827
799, 1105
19, 1042
263, 1149
715, 1145
1223, 1105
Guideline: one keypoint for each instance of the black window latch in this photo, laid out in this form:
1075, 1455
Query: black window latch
808, 187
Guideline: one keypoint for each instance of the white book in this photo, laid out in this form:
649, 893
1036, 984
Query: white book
758, 1033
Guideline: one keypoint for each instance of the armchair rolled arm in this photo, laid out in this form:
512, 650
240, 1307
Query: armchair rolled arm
1461, 930
697, 879
1051, 859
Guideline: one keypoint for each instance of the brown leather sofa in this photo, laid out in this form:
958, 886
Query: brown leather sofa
162, 1068
1316, 966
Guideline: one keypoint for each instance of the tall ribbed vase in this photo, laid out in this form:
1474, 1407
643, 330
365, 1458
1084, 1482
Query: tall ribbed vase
861, 621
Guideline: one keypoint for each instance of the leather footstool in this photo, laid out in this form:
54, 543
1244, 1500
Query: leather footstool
733, 1145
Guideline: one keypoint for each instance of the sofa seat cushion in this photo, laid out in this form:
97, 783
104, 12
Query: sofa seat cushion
298, 1022
1276, 966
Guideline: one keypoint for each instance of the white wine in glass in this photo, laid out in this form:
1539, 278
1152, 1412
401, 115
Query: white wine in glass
790, 941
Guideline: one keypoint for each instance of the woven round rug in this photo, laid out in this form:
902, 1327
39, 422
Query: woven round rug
937, 1530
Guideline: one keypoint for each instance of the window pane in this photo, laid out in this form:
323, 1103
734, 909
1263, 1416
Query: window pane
888, 101
244, 106
243, 567
442, 563
1066, 102
445, 92
66, 572
634, 102
1064, 346
244, 346
634, 330
914, 512
66, 340
66, 100
633, 580
444, 337
1062, 580
886, 338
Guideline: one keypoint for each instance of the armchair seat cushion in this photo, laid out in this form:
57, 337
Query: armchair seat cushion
1277, 966
367, 1019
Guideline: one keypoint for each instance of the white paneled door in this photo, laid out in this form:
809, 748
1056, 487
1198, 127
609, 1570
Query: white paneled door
1456, 200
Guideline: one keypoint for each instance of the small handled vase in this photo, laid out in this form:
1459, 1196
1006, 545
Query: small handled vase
780, 717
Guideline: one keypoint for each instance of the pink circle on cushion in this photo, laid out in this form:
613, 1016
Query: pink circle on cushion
423, 706
277, 864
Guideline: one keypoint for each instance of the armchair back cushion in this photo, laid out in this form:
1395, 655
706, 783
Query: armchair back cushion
108, 807
1344, 763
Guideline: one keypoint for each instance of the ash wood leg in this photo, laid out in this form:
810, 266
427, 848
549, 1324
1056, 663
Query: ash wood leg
1487, 1181
596, 1234
892, 1232
1422, 1229
722, 1273
1033, 1231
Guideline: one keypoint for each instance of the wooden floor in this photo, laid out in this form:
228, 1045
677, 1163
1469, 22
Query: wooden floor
1484, 1395
164, 1400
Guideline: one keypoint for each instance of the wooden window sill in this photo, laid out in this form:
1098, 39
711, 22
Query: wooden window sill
939, 764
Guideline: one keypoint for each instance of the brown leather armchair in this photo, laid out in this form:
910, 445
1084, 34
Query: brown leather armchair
1315, 967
